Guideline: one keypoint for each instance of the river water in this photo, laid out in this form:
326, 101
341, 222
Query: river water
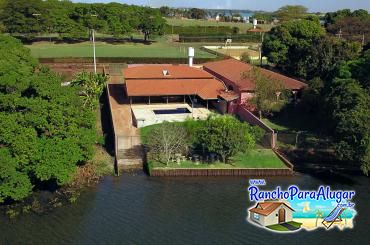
138, 209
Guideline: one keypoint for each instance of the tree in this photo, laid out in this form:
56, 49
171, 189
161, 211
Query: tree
348, 105
165, 10
14, 185
263, 16
291, 12
358, 69
319, 214
284, 44
167, 140
45, 131
300, 48
151, 24
226, 136
268, 93
246, 58
91, 87
196, 13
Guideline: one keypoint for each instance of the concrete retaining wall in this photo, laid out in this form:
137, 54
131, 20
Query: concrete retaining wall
222, 172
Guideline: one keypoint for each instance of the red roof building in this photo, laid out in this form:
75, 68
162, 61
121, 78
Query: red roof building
234, 74
171, 80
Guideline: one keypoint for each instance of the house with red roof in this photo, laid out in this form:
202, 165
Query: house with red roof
271, 212
241, 88
171, 83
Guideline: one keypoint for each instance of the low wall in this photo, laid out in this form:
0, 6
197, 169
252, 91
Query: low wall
127, 60
222, 172
245, 115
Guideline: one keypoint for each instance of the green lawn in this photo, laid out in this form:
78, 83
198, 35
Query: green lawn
279, 227
275, 126
255, 158
158, 49
243, 27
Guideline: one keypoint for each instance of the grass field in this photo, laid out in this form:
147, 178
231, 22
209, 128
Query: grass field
279, 227
255, 158
243, 27
158, 49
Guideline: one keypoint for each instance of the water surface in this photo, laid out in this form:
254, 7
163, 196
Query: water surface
138, 209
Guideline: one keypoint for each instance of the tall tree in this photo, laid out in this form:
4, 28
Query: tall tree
151, 24
291, 12
45, 131
348, 105
269, 92
226, 136
301, 48
167, 140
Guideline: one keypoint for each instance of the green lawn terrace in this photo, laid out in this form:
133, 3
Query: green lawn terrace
252, 159
281, 228
256, 158
158, 49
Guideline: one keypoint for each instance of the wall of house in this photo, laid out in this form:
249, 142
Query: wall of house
232, 107
273, 218
260, 221
221, 106
245, 96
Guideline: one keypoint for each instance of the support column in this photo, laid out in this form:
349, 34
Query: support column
184, 99
149, 100
167, 99
130, 100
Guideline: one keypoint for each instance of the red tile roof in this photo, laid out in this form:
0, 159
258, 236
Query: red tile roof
156, 72
149, 80
204, 88
266, 208
232, 70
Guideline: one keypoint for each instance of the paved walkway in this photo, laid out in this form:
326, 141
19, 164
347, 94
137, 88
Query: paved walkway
289, 226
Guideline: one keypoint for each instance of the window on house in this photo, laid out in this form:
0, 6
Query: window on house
256, 216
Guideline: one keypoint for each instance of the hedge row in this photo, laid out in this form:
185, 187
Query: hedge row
220, 30
127, 60
250, 37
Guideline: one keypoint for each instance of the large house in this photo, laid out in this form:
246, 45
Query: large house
241, 87
170, 83
271, 213
220, 85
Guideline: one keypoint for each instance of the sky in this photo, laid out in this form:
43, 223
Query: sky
266, 5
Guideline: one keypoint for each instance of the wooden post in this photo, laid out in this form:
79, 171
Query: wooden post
149, 100
167, 99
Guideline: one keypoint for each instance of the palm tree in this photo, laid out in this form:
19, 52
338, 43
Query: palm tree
92, 86
319, 214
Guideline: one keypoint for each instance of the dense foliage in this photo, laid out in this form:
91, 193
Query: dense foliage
166, 140
74, 19
270, 95
224, 136
338, 77
301, 48
353, 25
348, 105
91, 87
45, 131
291, 12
